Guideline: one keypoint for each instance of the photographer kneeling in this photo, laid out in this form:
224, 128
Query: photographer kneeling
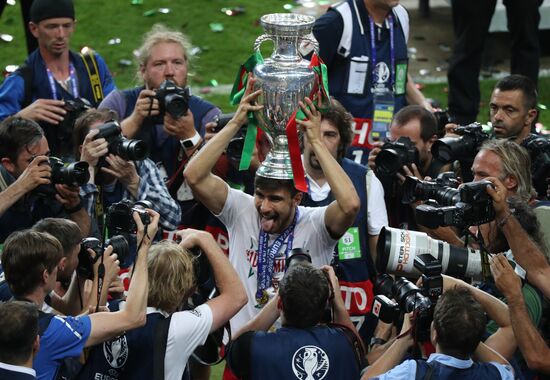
138, 353
119, 169
456, 331
304, 347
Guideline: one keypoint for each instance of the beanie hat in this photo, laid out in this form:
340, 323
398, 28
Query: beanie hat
45, 9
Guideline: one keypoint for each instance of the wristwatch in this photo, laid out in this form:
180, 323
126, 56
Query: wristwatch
191, 142
376, 341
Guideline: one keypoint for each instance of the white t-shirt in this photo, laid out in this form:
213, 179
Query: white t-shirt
377, 216
188, 330
243, 225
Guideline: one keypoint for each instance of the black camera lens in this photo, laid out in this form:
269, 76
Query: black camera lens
120, 246
75, 174
86, 262
132, 150
384, 285
297, 256
408, 296
176, 105
388, 162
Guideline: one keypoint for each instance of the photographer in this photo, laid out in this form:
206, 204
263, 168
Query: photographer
511, 164
24, 167
304, 347
171, 282
164, 55
114, 178
355, 263
414, 129
456, 331
53, 74
30, 261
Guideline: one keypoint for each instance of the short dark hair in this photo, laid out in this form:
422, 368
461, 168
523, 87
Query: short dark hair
338, 116
66, 231
428, 123
459, 321
84, 121
26, 255
17, 134
20, 328
522, 83
272, 184
304, 292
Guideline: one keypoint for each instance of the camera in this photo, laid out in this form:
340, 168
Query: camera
539, 150
463, 148
222, 119
119, 217
394, 155
469, 205
74, 109
297, 256
127, 149
74, 174
409, 298
172, 99
415, 189
442, 118
86, 262
397, 250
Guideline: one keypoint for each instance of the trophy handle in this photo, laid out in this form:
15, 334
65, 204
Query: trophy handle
260, 40
311, 40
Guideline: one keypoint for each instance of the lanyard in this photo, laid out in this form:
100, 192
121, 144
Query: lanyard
266, 255
392, 50
72, 75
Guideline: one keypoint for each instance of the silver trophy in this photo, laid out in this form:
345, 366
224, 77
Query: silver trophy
285, 79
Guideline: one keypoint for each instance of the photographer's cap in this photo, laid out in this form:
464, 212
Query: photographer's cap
45, 9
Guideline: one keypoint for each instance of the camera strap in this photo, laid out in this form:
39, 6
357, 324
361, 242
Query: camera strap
99, 210
355, 342
93, 73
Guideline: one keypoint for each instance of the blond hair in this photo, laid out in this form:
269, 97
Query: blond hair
516, 162
171, 275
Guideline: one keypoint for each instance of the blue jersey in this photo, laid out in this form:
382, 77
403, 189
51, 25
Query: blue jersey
65, 337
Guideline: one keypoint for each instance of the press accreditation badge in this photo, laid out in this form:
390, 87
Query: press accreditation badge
384, 105
358, 74
349, 246
401, 78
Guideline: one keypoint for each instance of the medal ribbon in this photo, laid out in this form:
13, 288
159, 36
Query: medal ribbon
266, 255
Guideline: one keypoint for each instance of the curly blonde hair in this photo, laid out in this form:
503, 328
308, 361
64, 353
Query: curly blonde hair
171, 275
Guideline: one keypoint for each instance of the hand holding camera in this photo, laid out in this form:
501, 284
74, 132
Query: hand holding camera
191, 238
35, 174
124, 171
93, 148
147, 225
49, 110
499, 194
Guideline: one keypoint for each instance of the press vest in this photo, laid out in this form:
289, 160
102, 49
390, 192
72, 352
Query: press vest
129, 356
477, 371
317, 353
356, 275
354, 44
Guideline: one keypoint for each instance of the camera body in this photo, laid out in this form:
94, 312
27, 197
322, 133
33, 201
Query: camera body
469, 205
172, 99
86, 262
539, 151
463, 148
127, 149
442, 118
409, 298
120, 218
415, 189
74, 174
394, 155
74, 109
